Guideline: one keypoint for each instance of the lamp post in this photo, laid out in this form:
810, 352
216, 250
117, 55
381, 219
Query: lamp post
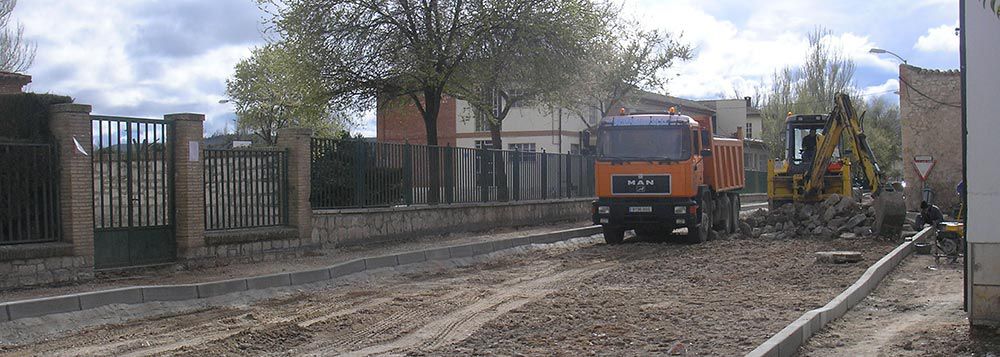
879, 50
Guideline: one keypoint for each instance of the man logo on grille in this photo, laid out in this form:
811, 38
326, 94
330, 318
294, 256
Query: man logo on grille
640, 182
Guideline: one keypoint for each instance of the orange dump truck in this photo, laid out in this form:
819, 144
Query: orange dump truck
661, 171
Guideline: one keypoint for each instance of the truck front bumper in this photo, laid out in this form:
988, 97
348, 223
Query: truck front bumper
645, 212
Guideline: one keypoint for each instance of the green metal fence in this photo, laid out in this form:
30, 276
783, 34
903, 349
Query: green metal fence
356, 173
29, 193
245, 188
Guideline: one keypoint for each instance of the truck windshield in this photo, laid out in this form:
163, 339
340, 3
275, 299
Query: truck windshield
645, 142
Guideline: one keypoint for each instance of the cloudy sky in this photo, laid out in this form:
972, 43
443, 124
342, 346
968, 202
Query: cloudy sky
148, 58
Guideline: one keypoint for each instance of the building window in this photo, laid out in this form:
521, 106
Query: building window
749, 130
484, 144
574, 149
527, 150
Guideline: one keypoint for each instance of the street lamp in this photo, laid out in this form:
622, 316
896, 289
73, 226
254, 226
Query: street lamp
879, 50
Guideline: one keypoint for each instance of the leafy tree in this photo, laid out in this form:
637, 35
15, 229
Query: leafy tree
273, 89
884, 133
533, 50
16, 53
623, 61
380, 50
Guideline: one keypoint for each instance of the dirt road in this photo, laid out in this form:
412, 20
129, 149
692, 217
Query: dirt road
719, 298
916, 311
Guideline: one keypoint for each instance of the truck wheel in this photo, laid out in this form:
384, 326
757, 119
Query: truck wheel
699, 233
614, 235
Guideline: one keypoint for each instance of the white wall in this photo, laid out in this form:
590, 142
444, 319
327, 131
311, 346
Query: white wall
730, 114
981, 78
524, 119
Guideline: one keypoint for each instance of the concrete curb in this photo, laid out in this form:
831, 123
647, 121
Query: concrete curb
787, 341
141, 294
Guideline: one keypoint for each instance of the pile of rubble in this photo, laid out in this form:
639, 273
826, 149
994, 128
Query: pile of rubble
836, 217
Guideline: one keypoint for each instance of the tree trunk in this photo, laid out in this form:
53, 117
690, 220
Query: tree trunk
499, 164
432, 105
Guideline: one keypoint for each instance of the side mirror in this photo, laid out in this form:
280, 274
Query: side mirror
706, 153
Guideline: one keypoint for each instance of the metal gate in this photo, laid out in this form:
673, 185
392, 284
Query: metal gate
133, 192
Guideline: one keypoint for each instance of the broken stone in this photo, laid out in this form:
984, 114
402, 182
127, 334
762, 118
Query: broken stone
838, 257
768, 228
817, 231
770, 235
848, 236
855, 221
836, 223
829, 214
845, 206
862, 231
832, 200
779, 226
745, 229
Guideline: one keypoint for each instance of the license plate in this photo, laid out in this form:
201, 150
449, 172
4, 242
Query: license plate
640, 209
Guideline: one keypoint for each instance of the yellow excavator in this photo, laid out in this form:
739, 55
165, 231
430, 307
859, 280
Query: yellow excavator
813, 172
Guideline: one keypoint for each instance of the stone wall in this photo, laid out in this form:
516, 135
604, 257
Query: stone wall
250, 245
40, 264
931, 116
358, 226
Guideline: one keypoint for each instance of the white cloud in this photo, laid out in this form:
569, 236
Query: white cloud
731, 59
100, 55
891, 85
938, 39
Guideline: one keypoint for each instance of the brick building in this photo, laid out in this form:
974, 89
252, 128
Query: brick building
400, 121
11, 83
931, 116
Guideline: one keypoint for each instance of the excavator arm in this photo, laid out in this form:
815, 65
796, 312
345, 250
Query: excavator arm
843, 121
890, 211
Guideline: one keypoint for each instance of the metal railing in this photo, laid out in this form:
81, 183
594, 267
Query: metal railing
29, 193
353, 173
245, 188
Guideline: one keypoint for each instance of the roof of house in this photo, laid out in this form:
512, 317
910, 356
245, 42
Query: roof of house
681, 102
931, 71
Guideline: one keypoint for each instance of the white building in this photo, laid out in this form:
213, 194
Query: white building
561, 131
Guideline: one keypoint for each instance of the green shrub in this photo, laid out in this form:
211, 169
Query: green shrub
25, 116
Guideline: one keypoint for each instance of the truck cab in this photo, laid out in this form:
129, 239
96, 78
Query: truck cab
654, 173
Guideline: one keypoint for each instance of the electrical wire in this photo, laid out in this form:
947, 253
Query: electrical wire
908, 85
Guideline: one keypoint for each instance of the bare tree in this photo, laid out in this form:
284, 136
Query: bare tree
16, 53
625, 60
809, 88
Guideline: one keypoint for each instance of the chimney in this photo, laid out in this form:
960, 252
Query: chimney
749, 104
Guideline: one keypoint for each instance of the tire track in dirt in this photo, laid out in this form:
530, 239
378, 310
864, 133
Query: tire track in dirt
458, 324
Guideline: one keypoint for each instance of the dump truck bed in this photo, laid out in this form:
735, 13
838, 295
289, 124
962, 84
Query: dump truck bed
724, 169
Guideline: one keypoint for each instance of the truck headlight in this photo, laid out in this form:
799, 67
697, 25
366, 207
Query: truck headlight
680, 209
603, 209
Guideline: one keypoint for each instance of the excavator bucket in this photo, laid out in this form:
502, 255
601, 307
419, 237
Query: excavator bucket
890, 212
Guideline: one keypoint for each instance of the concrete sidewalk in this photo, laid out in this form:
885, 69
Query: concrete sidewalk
312, 260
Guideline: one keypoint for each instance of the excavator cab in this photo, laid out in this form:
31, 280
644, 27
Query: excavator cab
797, 130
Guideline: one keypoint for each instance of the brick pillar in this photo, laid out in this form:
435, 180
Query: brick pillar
76, 195
189, 184
297, 142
